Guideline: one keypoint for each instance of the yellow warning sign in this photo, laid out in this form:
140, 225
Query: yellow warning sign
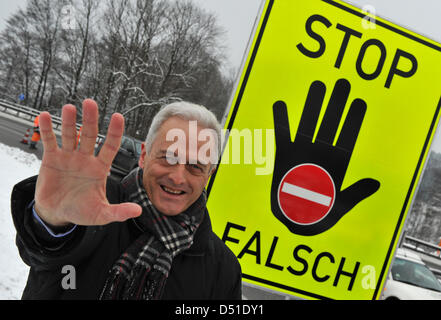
328, 133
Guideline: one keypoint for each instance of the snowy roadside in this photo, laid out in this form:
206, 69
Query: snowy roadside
15, 165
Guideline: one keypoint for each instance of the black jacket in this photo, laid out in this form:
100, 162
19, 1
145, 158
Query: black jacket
208, 270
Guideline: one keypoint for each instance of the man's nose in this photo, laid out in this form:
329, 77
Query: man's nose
177, 174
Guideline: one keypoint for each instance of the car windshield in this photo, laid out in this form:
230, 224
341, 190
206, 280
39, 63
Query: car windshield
415, 274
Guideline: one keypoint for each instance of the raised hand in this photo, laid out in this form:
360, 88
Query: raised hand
71, 186
306, 192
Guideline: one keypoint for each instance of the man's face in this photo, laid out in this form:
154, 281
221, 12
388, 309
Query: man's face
173, 187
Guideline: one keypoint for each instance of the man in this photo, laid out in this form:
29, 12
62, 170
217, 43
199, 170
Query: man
36, 134
148, 237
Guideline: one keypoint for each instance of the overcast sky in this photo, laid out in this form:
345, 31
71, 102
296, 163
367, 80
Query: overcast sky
237, 17
420, 16
7, 7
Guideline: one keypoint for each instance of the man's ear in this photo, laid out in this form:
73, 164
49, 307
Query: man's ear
142, 156
212, 170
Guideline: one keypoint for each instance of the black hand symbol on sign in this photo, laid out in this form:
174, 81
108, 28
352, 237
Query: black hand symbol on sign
306, 193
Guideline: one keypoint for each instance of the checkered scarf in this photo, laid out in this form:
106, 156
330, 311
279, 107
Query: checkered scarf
142, 270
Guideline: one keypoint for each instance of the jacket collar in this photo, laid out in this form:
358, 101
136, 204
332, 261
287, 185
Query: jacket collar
200, 240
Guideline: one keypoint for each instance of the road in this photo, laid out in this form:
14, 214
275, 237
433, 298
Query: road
12, 131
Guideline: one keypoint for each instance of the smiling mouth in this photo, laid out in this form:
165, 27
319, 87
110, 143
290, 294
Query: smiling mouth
172, 191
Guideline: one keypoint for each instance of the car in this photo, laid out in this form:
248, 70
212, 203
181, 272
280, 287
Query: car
411, 279
127, 157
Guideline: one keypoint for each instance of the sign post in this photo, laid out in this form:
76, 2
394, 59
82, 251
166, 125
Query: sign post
349, 113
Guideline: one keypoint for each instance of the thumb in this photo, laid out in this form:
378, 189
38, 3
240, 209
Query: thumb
356, 193
122, 212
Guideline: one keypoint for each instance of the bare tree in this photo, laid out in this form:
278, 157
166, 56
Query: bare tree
75, 46
191, 34
132, 56
16, 61
187, 47
107, 53
137, 38
43, 16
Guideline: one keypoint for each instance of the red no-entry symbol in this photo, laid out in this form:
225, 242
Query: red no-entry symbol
306, 194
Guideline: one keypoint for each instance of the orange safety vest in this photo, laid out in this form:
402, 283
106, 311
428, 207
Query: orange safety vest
36, 135
37, 121
78, 136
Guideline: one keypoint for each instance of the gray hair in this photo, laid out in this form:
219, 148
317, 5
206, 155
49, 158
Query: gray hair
187, 111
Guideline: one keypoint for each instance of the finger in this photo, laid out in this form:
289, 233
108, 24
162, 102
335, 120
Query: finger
89, 130
351, 127
311, 112
356, 193
334, 112
281, 123
113, 139
121, 212
68, 127
47, 133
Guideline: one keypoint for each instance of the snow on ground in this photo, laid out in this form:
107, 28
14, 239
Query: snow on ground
15, 165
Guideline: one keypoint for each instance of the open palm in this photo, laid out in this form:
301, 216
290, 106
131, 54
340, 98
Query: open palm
321, 153
71, 186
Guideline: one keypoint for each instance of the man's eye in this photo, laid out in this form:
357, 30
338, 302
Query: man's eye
195, 168
169, 159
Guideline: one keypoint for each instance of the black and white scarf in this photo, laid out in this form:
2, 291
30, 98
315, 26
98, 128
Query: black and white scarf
142, 270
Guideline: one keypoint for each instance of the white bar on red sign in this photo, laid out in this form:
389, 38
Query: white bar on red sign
306, 194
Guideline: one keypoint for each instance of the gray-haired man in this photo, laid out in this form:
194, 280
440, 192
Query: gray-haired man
148, 237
